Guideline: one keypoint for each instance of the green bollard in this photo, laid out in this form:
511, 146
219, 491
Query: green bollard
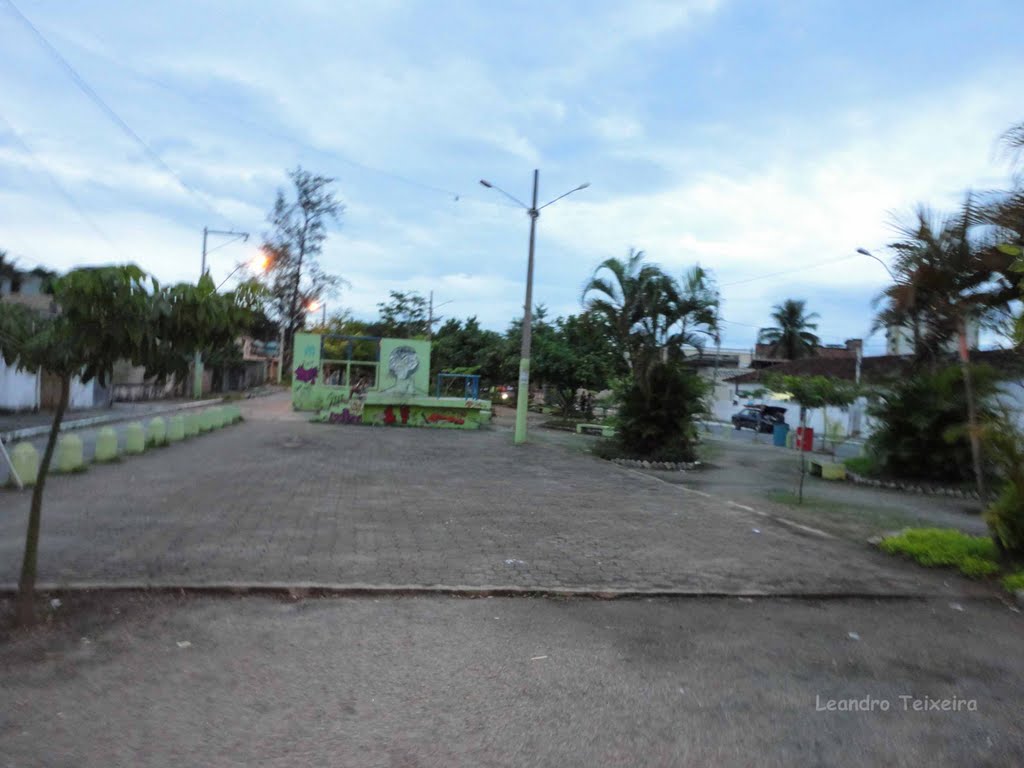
216, 417
25, 459
134, 438
157, 433
205, 421
106, 445
70, 457
176, 429
191, 424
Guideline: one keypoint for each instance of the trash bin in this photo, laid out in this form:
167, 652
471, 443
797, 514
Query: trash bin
779, 433
804, 439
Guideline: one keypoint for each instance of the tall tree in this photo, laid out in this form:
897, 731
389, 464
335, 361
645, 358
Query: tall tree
298, 230
104, 315
628, 295
403, 315
948, 279
792, 335
694, 311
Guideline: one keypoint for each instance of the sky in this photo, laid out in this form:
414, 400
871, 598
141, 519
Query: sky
765, 140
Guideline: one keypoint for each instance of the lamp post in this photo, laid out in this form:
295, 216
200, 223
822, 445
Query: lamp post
870, 255
197, 362
523, 386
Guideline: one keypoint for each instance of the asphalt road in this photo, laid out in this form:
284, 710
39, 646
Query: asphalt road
136, 681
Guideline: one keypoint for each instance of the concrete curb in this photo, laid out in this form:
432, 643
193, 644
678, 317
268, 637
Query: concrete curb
92, 421
301, 589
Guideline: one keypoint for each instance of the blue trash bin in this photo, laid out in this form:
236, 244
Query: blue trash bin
779, 432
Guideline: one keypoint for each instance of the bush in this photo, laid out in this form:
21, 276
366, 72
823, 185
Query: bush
973, 556
862, 465
1005, 516
658, 411
921, 417
1014, 582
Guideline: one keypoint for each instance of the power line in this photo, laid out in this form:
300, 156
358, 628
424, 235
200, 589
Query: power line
786, 271
107, 109
291, 139
61, 189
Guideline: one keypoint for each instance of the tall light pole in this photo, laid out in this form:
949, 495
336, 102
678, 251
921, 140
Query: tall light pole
523, 387
870, 255
197, 362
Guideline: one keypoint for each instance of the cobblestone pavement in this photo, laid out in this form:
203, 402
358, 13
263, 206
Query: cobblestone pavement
277, 500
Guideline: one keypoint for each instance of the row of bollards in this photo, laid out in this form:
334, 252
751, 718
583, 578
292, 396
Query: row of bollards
69, 456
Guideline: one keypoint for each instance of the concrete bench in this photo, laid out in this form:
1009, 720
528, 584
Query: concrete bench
595, 429
827, 470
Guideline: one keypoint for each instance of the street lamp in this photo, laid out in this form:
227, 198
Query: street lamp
197, 363
523, 387
870, 255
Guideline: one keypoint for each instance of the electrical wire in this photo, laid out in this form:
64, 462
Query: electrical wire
61, 189
263, 128
787, 271
102, 105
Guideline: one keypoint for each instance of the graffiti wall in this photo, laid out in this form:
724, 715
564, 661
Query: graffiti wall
398, 396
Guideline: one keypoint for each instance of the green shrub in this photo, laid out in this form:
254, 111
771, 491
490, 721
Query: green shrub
658, 412
1014, 582
920, 424
862, 465
1004, 444
973, 556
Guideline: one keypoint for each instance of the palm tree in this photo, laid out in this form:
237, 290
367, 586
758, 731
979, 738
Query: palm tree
948, 277
694, 310
792, 335
628, 295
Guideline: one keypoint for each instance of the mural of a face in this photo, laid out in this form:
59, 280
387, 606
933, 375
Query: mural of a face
403, 362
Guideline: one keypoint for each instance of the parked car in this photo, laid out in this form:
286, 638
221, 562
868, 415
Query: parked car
763, 418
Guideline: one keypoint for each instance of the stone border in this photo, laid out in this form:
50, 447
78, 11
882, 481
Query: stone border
922, 489
668, 466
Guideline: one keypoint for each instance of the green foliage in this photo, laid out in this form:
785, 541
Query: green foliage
920, 420
650, 316
1005, 516
1014, 582
814, 391
659, 418
791, 337
973, 556
866, 466
403, 316
465, 347
575, 353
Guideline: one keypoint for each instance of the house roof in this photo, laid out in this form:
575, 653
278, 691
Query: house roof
876, 368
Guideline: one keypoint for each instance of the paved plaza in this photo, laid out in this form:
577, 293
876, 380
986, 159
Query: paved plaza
280, 501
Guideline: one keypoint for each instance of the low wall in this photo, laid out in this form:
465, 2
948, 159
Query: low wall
435, 412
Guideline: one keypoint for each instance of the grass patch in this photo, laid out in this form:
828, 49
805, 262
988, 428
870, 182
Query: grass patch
862, 465
1014, 582
973, 556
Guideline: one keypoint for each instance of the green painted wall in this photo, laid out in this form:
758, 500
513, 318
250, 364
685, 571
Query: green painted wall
401, 396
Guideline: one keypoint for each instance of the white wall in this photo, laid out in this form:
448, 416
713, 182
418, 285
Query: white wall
18, 388
81, 395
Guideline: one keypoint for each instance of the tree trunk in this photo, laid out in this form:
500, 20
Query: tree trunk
27, 582
972, 411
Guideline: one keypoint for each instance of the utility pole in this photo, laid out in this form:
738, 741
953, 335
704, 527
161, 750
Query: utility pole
197, 361
430, 317
523, 386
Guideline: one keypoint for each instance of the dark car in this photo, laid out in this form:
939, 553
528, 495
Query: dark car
763, 418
